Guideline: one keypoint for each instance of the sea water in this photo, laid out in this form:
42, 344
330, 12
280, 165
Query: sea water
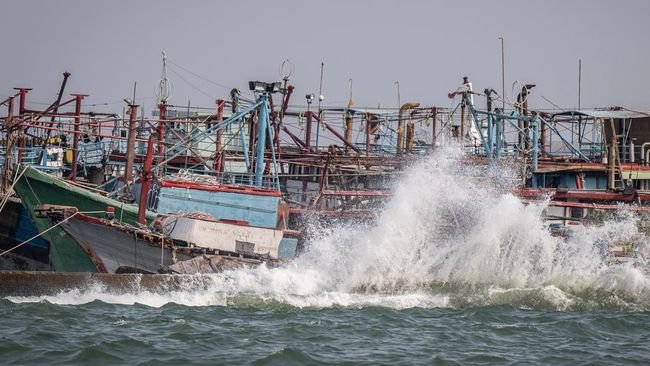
453, 270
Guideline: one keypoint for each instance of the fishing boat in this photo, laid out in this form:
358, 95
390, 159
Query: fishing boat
36, 188
18, 233
585, 165
236, 219
54, 145
89, 238
16, 228
89, 232
181, 242
110, 246
175, 244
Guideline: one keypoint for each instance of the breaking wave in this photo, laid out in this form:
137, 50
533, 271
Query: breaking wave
452, 236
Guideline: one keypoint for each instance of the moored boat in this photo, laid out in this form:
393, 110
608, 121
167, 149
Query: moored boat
89, 232
36, 188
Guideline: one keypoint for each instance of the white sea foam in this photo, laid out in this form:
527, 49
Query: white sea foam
452, 235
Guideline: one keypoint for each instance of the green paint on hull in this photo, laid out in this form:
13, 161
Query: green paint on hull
35, 187
65, 254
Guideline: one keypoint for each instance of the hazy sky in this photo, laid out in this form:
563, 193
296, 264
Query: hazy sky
425, 45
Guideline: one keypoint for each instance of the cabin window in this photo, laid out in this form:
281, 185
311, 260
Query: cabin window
576, 213
244, 247
553, 181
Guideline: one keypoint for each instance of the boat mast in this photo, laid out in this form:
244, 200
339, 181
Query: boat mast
261, 139
145, 183
164, 92
130, 147
11, 139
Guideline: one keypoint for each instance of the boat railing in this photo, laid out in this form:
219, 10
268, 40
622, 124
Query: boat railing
91, 153
33, 156
224, 178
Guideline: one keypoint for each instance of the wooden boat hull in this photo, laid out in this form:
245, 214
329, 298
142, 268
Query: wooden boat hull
216, 264
113, 249
37, 188
15, 228
229, 236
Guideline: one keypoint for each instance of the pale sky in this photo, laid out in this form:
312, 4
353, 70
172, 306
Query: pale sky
425, 45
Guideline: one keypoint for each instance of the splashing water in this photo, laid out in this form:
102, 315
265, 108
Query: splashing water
451, 236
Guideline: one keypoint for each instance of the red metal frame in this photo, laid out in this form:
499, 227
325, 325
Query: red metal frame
75, 140
220, 188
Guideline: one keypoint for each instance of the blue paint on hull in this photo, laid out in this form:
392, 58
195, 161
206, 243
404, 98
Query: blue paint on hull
257, 210
288, 247
16, 227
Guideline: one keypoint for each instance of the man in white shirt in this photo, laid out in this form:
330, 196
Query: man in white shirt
466, 87
473, 135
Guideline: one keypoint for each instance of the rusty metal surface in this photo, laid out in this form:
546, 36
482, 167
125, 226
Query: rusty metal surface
598, 206
604, 113
357, 193
117, 248
214, 264
601, 196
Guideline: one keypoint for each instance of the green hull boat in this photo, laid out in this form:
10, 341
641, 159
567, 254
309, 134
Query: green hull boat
37, 188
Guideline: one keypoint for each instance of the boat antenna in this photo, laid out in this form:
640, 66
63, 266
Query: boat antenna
579, 80
135, 85
286, 69
320, 99
165, 87
350, 100
320, 88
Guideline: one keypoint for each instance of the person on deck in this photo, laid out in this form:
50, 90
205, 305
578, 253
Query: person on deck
465, 88
472, 134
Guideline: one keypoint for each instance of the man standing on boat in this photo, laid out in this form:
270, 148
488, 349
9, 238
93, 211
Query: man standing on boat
465, 88
473, 134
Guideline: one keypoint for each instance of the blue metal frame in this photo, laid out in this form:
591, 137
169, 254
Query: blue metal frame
261, 139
